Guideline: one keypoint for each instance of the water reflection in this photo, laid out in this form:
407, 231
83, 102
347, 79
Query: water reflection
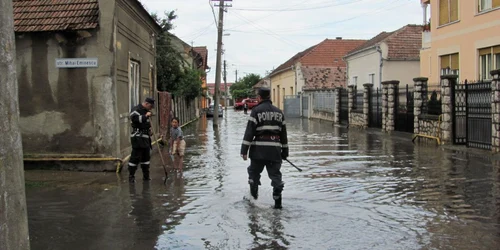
148, 226
266, 228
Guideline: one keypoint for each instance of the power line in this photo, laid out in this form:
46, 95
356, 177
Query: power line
328, 5
213, 12
267, 31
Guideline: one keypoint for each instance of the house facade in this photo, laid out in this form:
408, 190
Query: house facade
82, 65
203, 53
387, 56
462, 39
318, 67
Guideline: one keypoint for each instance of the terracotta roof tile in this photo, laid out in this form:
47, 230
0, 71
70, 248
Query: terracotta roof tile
318, 77
327, 53
53, 15
403, 44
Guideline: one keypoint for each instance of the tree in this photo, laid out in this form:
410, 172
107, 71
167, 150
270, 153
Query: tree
244, 87
13, 216
171, 75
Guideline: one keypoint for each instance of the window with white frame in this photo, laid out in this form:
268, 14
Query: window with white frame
450, 64
484, 5
371, 78
134, 83
489, 59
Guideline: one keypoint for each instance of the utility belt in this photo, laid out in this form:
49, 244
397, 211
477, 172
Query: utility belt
140, 131
267, 137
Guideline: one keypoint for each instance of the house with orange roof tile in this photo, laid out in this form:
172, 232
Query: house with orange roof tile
387, 56
316, 68
81, 66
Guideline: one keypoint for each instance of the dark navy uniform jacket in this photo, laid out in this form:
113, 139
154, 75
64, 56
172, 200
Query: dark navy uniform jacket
265, 134
139, 136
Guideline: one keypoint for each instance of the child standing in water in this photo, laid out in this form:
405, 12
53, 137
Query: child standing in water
177, 144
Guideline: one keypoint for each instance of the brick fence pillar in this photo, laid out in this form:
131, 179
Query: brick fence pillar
419, 98
495, 111
337, 106
351, 93
389, 95
367, 91
447, 90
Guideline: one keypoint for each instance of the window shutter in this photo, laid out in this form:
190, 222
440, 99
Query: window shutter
496, 3
485, 51
445, 62
453, 10
443, 12
454, 61
496, 49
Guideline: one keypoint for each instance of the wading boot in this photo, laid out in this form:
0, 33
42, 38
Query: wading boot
254, 191
145, 176
277, 202
131, 178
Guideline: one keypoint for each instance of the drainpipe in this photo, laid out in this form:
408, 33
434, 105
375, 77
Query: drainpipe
381, 65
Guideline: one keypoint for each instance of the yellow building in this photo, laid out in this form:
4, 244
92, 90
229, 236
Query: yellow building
460, 37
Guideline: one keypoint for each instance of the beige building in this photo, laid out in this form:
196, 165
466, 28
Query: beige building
460, 37
81, 66
387, 56
318, 67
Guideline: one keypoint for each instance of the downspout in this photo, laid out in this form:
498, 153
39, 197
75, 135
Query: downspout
381, 65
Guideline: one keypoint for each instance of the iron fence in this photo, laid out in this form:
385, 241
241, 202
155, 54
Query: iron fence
357, 104
324, 101
431, 99
404, 110
375, 110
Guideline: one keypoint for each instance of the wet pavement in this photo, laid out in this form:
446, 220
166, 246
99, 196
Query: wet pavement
360, 189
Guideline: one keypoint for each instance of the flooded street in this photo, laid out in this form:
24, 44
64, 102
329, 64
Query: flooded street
359, 189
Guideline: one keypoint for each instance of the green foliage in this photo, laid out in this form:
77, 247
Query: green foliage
171, 74
243, 88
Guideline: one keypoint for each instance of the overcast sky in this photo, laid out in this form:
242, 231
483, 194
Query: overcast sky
261, 35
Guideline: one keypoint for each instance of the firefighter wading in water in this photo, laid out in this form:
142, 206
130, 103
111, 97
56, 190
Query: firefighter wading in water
140, 138
267, 140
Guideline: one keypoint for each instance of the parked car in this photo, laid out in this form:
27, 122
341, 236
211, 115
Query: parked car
210, 111
251, 102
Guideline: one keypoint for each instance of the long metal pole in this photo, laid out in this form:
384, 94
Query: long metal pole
13, 215
225, 86
218, 63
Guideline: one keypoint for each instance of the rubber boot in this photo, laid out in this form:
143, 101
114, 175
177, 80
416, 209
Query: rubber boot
277, 202
145, 172
254, 189
131, 176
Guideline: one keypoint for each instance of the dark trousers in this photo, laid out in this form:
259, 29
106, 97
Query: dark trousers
273, 171
139, 156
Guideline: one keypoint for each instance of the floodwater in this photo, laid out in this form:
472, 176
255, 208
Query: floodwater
359, 189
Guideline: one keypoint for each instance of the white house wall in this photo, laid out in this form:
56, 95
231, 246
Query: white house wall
403, 71
362, 65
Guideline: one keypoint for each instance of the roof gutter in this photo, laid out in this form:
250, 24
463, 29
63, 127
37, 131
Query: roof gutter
363, 50
379, 50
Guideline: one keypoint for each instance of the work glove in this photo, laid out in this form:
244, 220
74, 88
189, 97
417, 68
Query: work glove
284, 155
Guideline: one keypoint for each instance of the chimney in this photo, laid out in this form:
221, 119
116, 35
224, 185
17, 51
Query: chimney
339, 38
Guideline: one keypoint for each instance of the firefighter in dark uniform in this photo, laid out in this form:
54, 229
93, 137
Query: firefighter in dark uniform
140, 138
266, 139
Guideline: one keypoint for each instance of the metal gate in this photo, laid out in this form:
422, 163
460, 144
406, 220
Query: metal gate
404, 119
472, 115
375, 109
344, 106
305, 105
292, 106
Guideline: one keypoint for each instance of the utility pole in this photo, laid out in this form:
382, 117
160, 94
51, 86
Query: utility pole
225, 86
220, 29
14, 232
236, 78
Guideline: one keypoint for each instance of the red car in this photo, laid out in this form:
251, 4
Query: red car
251, 102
